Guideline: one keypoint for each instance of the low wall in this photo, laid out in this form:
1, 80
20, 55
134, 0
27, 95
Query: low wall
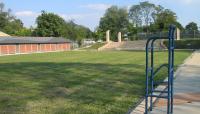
9, 49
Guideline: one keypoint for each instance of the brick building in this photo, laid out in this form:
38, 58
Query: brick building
22, 45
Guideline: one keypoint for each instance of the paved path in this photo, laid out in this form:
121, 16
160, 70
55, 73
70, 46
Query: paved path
186, 89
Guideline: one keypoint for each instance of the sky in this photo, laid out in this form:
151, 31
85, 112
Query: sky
89, 12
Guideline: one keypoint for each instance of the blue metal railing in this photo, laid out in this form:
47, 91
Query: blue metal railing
150, 71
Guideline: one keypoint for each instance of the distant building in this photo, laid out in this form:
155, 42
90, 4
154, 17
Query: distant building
88, 41
22, 45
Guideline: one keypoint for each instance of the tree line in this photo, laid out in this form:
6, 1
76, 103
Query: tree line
52, 25
144, 17
10, 24
48, 25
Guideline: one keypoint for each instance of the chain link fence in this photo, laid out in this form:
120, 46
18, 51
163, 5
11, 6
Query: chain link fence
183, 35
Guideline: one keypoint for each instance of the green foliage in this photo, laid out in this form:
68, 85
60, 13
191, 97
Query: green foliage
24, 32
116, 20
50, 25
191, 27
135, 15
186, 44
3, 20
142, 14
77, 32
152, 18
147, 11
99, 34
165, 18
10, 24
132, 31
13, 27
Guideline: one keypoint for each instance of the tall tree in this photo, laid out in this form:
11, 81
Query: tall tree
2, 7
165, 18
115, 19
9, 23
191, 27
77, 32
135, 15
13, 27
152, 17
147, 11
50, 25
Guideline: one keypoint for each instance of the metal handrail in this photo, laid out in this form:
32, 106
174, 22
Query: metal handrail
150, 69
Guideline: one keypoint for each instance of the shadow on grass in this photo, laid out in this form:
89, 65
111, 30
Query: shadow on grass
70, 87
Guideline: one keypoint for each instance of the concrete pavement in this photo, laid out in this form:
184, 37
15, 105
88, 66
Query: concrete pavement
186, 90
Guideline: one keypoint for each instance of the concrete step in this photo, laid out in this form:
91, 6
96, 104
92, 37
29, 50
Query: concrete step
128, 45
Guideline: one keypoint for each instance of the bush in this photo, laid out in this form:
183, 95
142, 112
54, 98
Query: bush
186, 44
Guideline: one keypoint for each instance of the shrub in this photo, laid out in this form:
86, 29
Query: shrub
186, 44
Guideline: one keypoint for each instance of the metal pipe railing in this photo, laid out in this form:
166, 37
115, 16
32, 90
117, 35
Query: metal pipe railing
150, 70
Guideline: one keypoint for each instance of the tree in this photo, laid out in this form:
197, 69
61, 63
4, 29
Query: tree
99, 34
131, 31
24, 32
13, 27
135, 15
77, 32
50, 25
4, 17
3, 20
165, 18
142, 14
116, 20
147, 11
152, 18
9, 23
191, 27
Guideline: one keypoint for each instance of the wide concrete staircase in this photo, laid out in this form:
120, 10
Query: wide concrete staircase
127, 45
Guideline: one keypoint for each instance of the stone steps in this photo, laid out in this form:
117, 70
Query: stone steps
127, 45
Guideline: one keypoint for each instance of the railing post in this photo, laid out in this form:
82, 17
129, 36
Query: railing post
152, 73
147, 72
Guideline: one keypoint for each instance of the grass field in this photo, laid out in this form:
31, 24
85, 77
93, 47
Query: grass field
75, 82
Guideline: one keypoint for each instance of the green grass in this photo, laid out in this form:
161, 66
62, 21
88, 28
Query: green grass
75, 82
95, 46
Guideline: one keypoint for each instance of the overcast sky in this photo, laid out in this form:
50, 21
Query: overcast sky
89, 12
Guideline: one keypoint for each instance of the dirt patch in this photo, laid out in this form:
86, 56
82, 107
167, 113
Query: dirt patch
179, 99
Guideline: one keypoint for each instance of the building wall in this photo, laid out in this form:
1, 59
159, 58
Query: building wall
32, 48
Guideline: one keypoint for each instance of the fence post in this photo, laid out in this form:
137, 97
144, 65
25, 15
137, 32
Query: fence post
108, 36
178, 37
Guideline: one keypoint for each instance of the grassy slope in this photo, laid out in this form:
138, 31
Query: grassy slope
74, 82
95, 46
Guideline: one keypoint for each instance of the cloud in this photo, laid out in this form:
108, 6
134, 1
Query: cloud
80, 18
72, 16
65, 16
189, 1
178, 2
26, 14
97, 6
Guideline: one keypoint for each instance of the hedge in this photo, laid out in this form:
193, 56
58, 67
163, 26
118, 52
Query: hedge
186, 44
